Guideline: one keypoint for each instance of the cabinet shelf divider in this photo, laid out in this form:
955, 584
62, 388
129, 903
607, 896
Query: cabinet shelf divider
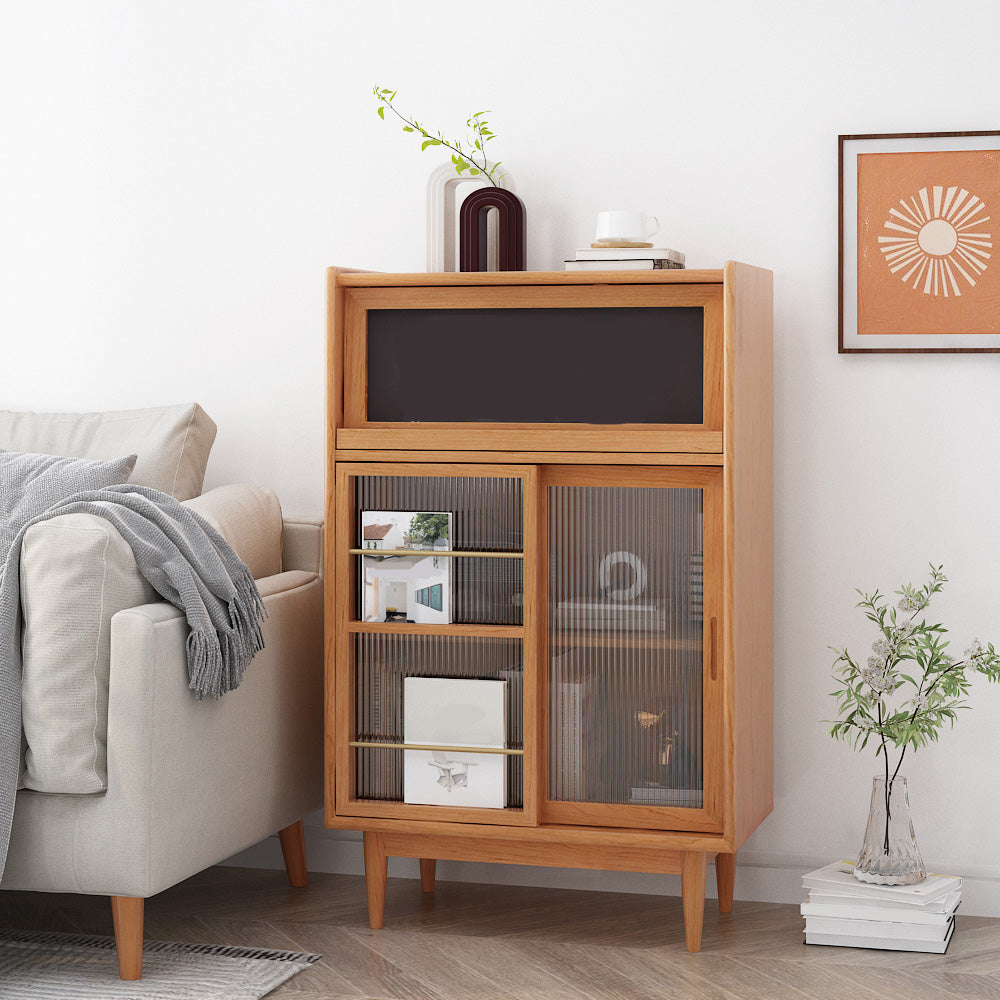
364, 744
479, 631
435, 552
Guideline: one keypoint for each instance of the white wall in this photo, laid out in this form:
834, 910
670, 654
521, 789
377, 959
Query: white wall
176, 176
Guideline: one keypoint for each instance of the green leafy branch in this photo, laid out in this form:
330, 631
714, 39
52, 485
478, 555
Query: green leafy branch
909, 658
910, 686
464, 155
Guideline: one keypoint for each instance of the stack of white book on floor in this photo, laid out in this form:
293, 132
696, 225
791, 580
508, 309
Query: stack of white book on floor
624, 258
842, 911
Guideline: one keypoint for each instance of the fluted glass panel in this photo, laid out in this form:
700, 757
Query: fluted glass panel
625, 692
382, 661
486, 517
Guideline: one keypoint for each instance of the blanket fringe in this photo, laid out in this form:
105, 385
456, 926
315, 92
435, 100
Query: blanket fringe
217, 659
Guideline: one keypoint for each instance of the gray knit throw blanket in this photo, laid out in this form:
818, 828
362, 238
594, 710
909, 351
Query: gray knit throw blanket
185, 560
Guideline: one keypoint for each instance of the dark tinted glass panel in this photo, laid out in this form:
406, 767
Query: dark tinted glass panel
598, 366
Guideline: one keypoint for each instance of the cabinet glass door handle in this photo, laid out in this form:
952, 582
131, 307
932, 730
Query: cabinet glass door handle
713, 661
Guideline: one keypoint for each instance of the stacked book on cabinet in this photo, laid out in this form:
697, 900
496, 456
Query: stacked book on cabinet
842, 911
599, 257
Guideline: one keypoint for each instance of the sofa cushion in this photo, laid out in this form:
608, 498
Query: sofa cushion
249, 518
172, 442
77, 572
30, 483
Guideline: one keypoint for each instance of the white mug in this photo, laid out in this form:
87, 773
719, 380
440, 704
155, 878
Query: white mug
633, 227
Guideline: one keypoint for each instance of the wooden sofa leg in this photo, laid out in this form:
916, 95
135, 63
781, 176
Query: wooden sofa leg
293, 850
127, 913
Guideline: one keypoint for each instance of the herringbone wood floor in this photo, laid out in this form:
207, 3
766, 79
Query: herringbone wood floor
493, 942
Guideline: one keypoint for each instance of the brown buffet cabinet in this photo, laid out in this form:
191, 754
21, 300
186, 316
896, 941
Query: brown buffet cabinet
601, 443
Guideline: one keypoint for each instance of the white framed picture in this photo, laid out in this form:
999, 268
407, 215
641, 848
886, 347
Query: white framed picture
447, 712
404, 578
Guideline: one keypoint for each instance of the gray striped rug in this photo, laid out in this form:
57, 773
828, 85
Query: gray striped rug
43, 965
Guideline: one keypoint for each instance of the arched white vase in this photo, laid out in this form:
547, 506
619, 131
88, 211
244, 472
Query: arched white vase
446, 191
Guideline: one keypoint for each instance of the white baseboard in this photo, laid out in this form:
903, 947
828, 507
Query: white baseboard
770, 878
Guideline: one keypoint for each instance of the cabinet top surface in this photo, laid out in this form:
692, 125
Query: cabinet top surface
664, 276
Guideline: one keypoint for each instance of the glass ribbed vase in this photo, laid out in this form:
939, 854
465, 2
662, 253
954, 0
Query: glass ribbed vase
889, 854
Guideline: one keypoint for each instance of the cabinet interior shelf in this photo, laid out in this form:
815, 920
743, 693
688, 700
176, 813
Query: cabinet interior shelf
454, 629
436, 552
369, 745
625, 640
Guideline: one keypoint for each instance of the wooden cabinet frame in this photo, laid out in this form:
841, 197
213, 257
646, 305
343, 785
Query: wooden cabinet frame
346, 627
357, 432
728, 455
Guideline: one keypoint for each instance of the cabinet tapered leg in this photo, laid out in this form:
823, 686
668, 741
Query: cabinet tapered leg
127, 913
693, 868
293, 850
725, 880
427, 870
376, 870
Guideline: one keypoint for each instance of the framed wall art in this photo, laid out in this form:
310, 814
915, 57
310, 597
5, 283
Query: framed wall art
918, 213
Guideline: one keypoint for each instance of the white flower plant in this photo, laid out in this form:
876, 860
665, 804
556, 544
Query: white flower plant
910, 685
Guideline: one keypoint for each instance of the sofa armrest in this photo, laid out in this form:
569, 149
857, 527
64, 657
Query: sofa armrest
190, 783
216, 776
303, 544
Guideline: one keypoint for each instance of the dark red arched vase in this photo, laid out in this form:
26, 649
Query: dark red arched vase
510, 229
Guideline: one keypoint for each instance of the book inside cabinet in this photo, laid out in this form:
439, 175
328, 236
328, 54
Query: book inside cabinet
548, 570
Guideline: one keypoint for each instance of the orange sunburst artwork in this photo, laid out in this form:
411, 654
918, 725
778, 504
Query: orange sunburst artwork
925, 242
942, 240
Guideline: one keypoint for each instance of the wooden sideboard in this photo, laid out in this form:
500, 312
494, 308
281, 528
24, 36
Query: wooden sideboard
602, 445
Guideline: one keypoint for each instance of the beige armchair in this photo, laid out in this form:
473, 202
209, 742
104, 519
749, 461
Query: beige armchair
129, 784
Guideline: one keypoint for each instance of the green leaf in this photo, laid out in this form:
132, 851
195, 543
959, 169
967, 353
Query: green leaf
429, 142
381, 111
475, 171
406, 128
